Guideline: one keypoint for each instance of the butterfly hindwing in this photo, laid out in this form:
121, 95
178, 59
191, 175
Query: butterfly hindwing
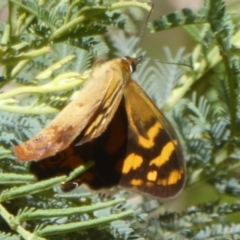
106, 151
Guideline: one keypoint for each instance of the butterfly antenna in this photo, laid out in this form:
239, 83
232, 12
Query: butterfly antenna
169, 63
144, 26
140, 58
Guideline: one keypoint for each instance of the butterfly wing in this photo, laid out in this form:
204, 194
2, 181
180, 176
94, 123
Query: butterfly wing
86, 117
106, 150
154, 161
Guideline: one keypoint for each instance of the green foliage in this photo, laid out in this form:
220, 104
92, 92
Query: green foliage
47, 49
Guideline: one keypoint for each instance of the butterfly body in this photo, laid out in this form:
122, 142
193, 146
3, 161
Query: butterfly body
131, 142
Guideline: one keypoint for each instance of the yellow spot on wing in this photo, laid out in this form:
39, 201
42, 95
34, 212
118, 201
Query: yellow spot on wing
151, 133
133, 161
152, 176
165, 154
173, 178
136, 182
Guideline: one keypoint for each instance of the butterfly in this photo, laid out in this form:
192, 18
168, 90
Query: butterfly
114, 123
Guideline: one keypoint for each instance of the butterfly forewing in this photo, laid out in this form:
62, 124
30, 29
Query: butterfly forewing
154, 161
88, 115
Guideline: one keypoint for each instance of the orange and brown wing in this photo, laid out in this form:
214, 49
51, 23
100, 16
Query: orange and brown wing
87, 116
154, 161
138, 150
106, 150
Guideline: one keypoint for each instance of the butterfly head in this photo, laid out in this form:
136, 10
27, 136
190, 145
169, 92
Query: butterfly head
132, 62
